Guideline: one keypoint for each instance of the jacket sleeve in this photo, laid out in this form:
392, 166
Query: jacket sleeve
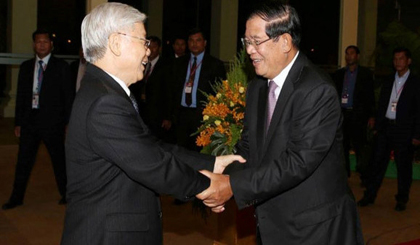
117, 136
313, 128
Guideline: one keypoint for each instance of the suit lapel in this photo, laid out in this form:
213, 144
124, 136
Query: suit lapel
107, 80
286, 92
203, 74
261, 115
47, 74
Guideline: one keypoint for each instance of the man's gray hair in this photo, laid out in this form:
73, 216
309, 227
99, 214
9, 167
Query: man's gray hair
101, 22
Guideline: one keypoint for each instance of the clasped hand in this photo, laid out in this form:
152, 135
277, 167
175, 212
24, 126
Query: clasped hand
220, 190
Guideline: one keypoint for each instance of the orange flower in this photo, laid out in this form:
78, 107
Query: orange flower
216, 110
238, 116
204, 138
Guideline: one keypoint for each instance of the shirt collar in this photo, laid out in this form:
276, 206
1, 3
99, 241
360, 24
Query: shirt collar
280, 78
199, 57
121, 83
404, 77
154, 61
355, 70
45, 59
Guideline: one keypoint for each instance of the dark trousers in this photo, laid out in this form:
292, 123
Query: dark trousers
30, 139
354, 136
397, 139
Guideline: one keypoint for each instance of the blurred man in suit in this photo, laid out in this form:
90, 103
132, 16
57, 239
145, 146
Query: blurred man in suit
43, 103
354, 85
116, 168
150, 91
179, 47
78, 68
292, 140
192, 75
398, 128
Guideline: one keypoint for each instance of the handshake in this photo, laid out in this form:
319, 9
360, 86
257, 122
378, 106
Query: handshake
220, 190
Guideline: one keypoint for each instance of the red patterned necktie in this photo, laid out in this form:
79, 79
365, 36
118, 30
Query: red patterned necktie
40, 74
188, 96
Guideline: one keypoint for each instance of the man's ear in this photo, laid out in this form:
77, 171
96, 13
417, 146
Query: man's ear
286, 42
114, 44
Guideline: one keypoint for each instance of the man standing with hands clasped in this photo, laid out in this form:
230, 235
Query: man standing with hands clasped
294, 174
116, 168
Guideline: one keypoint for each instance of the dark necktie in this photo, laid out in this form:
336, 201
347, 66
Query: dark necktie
134, 102
40, 75
148, 71
272, 100
188, 96
143, 83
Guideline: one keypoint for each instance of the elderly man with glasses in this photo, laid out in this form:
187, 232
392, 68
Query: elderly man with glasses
115, 167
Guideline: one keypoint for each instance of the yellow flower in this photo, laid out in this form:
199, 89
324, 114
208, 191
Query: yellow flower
217, 122
232, 104
206, 117
218, 95
241, 90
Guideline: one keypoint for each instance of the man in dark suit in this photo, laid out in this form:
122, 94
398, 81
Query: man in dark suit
179, 46
398, 128
149, 92
355, 89
115, 167
292, 140
193, 74
43, 103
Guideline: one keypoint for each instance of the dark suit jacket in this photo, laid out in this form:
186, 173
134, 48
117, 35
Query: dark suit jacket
151, 108
55, 99
408, 108
364, 95
295, 175
115, 169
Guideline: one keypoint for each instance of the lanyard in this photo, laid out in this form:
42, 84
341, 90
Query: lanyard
196, 67
398, 92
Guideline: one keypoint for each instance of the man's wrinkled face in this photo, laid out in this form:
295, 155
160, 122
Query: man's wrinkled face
267, 58
134, 53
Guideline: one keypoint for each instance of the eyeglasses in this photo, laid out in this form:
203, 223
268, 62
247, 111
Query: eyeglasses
146, 41
255, 43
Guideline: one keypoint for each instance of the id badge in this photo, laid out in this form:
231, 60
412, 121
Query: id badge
188, 88
344, 99
394, 106
35, 101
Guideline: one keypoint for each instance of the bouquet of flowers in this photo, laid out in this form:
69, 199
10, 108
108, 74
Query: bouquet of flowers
224, 112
